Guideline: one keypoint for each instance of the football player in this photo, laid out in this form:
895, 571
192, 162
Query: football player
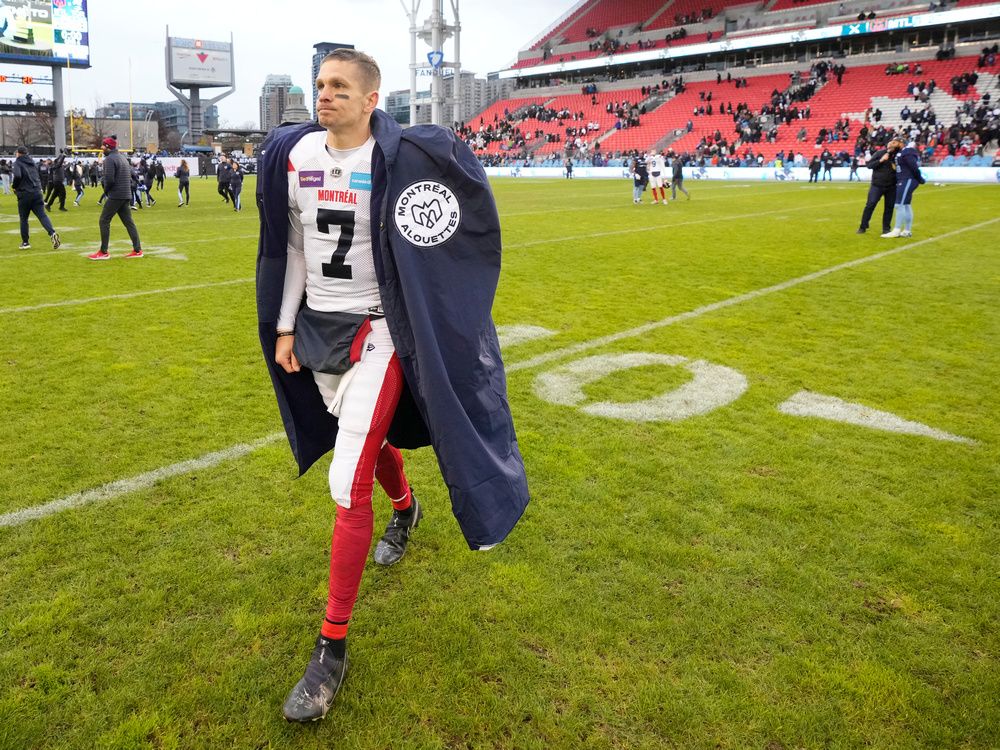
378, 262
657, 175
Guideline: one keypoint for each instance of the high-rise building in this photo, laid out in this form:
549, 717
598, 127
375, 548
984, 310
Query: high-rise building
273, 99
474, 99
321, 50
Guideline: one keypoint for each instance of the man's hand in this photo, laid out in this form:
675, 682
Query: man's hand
284, 355
885, 157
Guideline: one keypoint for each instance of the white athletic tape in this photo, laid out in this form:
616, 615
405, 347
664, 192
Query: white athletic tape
133, 484
807, 404
567, 351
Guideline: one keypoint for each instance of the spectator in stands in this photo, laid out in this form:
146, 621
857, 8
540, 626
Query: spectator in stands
908, 179
883, 186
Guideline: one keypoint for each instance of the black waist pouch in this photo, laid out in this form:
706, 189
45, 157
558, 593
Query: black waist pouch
323, 339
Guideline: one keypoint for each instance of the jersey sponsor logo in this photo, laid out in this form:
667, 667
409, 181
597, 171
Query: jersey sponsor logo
311, 179
427, 213
361, 181
336, 172
338, 196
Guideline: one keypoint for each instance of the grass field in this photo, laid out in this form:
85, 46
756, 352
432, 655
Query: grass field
741, 577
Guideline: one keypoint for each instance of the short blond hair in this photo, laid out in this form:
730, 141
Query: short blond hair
371, 76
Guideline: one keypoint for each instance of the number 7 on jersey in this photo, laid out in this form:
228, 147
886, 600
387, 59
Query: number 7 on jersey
325, 218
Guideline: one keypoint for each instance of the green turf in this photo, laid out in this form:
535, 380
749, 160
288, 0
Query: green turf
740, 579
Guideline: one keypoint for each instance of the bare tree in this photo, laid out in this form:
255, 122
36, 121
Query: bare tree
46, 126
24, 130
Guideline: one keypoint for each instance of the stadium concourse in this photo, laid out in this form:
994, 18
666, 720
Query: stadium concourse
760, 96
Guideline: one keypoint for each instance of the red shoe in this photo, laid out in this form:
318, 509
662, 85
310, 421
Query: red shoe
134, 254
99, 255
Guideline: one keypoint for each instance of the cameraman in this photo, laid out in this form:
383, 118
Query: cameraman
883, 187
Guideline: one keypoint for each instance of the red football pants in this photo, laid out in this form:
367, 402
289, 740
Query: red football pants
365, 403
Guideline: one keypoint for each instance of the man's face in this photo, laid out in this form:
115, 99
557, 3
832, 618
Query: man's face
342, 100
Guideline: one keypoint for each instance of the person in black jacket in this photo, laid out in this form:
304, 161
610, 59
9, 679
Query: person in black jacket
183, 184
224, 173
118, 188
28, 186
236, 186
57, 182
883, 187
161, 174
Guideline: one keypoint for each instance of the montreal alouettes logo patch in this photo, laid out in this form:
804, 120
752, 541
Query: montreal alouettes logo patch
427, 213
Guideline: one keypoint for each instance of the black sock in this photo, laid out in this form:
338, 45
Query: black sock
336, 646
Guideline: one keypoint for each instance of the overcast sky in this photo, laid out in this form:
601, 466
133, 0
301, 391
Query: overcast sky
277, 39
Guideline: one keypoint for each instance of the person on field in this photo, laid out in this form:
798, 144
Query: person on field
640, 178
117, 181
236, 186
183, 174
677, 180
883, 186
908, 179
57, 182
224, 176
378, 261
27, 186
76, 175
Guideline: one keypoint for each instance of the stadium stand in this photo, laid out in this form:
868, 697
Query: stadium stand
948, 103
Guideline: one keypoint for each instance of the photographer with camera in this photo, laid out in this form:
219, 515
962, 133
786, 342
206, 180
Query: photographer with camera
883, 187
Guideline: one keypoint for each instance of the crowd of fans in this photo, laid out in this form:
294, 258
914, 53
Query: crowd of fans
976, 121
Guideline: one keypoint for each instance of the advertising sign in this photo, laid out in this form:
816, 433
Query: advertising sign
196, 62
46, 32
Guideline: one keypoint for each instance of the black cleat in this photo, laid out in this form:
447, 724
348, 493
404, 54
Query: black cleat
392, 546
861, 231
313, 695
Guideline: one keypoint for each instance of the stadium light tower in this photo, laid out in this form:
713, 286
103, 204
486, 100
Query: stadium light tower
434, 32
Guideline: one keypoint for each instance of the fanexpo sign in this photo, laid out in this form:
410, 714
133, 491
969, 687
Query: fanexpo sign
196, 62
46, 32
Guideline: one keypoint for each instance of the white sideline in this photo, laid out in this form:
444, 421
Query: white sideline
730, 301
132, 484
143, 481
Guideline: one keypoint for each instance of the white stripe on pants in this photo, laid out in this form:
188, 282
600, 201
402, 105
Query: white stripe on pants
353, 398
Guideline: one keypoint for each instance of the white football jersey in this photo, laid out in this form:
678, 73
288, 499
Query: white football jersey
329, 216
655, 164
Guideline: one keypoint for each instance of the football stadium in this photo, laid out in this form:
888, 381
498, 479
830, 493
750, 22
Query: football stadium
669, 362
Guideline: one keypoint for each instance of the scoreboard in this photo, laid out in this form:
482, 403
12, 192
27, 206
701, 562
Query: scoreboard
45, 32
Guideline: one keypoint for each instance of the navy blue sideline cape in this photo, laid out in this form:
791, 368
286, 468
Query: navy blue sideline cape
437, 302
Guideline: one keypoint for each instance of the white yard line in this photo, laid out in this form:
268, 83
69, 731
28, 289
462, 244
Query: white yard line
731, 301
144, 481
128, 295
136, 483
76, 247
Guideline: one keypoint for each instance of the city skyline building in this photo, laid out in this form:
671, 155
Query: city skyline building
274, 99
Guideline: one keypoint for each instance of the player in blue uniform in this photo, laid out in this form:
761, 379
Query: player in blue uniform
908, 179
